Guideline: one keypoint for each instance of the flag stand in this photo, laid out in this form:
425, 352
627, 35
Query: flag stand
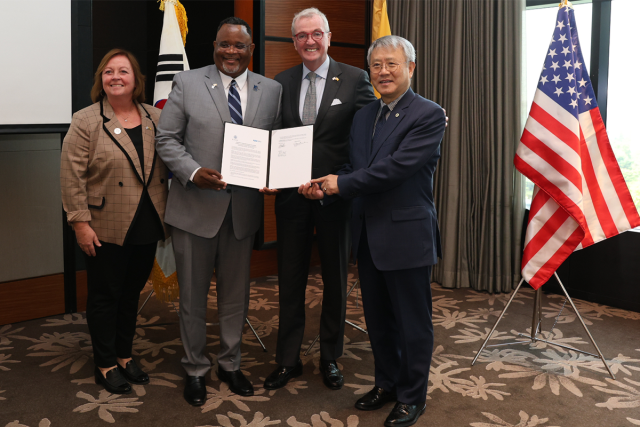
536, 329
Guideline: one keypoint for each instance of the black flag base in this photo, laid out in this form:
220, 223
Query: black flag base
536, 328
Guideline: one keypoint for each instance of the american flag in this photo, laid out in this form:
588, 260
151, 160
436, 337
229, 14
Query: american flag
580, 195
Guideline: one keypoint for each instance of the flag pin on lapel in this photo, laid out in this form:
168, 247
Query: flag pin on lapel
214, 85
336, 79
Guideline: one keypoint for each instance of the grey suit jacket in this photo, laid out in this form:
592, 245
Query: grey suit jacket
190, 134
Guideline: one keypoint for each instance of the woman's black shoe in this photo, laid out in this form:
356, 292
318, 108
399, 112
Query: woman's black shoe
133, 373
113, 382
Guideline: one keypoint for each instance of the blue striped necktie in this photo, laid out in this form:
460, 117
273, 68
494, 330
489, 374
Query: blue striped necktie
235, 107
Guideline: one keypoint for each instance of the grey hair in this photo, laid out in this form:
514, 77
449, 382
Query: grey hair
308, 13
394, 42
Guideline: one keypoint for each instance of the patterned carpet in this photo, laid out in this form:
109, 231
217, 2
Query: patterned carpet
46, 369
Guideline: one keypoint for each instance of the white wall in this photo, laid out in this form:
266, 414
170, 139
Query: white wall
35, 76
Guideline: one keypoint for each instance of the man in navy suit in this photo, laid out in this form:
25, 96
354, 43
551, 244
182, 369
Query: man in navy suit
395, 147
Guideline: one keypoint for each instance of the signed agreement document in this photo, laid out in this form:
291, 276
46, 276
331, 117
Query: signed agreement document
257, 158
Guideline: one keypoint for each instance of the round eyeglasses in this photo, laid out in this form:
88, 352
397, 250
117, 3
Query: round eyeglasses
316, 35
377, 67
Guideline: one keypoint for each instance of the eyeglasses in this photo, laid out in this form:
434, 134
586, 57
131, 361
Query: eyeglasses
227, 46
316, 35
377, 67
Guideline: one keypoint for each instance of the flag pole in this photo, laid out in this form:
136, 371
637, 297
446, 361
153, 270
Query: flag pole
536, 328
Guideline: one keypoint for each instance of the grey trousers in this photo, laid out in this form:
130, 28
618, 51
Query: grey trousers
196, 258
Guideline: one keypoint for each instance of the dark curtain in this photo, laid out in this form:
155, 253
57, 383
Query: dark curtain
469, 61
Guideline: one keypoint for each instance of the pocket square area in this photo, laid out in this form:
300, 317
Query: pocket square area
336, 102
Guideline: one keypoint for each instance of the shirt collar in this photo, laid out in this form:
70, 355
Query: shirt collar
393, 103
322, 70
240, 80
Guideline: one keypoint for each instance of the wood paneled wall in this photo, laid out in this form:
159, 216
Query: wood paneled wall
347, 22
31, 298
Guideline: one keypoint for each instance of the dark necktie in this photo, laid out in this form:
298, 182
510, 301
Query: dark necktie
381, 121
235, 107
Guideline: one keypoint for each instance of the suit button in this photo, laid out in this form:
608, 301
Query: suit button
161, 180
228, 190
120, 184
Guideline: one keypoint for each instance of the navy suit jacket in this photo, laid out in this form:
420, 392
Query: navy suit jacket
392, 183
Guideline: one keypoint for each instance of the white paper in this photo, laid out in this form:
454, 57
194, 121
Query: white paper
291, 155
244, 156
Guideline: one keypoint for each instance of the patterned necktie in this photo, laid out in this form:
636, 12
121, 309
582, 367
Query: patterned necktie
235, 107
309, 107
381, 121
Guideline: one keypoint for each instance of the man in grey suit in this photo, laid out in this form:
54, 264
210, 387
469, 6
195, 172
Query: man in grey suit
213, 224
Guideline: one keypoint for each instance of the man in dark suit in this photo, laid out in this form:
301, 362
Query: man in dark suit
327, 94
214, 225
395, 146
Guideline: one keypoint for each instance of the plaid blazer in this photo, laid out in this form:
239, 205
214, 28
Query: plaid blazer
100, 174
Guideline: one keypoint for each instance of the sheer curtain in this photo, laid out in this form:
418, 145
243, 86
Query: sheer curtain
469, 61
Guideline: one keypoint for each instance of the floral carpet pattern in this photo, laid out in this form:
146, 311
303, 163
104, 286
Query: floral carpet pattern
46, 368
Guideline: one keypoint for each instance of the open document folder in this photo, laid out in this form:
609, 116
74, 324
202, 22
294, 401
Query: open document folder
259, 158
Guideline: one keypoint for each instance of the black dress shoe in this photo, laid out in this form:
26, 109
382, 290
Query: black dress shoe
237, 382
404, 415
331, 375
133, 373
375, 399
113, 382
195, 392
281, 376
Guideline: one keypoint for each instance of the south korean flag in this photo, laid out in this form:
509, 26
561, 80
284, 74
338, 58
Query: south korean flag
172, 58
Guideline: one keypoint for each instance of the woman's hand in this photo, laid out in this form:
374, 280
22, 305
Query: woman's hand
86, 237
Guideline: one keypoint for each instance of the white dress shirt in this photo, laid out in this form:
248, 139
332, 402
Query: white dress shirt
321, 79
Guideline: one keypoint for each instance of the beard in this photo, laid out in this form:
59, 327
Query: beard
230, 70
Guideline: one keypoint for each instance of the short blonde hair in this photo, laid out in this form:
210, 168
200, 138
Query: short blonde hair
97, 94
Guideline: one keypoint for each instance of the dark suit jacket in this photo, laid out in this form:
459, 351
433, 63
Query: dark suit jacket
392, 183
331, 130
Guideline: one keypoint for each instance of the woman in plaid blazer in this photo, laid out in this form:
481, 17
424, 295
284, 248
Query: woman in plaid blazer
114, 191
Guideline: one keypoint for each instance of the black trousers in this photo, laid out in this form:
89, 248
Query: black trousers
296, 218
115, 278
397, 308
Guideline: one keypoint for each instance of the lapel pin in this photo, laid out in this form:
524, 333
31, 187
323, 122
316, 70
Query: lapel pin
148, 128
214, 85
117, 131
336, 79
255, 87
397, 114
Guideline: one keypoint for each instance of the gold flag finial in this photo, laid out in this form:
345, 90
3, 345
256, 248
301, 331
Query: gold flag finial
181, 14
564, 3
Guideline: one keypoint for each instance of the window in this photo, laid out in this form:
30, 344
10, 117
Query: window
621, 100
